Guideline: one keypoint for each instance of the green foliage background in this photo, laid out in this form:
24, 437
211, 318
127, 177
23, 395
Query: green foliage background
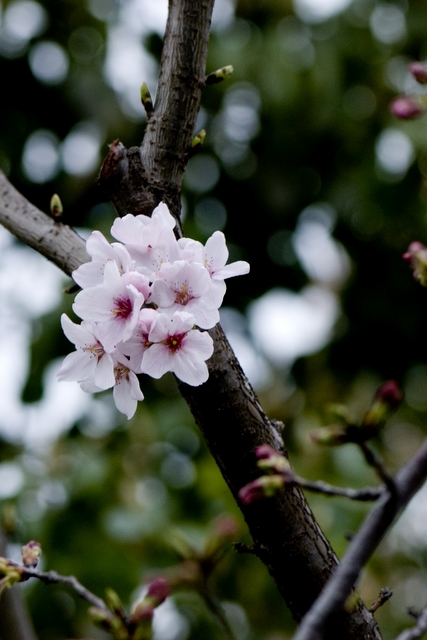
323, 92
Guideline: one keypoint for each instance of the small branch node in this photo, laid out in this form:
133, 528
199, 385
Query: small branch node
219, 75
384, 595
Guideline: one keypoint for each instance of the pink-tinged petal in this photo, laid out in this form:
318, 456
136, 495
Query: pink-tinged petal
238, 268
78, 334
89, 274
126, 393
161, 294
162, 212
104, 372
77, 366
98, 246
216, 252
205, 316
216, 294
193, 373
129, 229
95, 303
182, 322
156, 361
198, 344
110, 334
89, 386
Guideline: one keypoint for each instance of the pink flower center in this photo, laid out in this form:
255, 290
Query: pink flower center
121, 373
122, 308
174, 342
183, 295
96, 350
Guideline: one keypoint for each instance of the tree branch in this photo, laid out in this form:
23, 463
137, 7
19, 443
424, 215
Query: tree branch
58, 242
407, 482
418, 631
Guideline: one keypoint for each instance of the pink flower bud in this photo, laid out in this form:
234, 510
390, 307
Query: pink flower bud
416, 256
263, 487
390, 394
264, 452
30, 553
226, 526
387, 399
419, 71
406, 107
158, 590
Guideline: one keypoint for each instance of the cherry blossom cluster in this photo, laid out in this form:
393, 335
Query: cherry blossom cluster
145, 304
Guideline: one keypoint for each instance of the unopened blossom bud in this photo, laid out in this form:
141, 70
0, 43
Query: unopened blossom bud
158, 591
226, 526
419, 71
407, 107
416, 257
270, 459
197, 142
219, 75
31, 553
387, 399
331, 436
109, 621
56, 207
10, 574
113, 601
263, 487
146, 100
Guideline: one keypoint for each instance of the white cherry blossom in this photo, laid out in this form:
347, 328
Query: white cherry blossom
114, 305
89, 360
142, 303
185, 286
179, 348
91, 273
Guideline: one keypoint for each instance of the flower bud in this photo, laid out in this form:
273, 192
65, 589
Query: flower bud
31, 553
219, 75
158, 591
263, 487
56, 207
407, 107
109, 621
331, 436
113, 601
197, 141
419, 71
226, 526
387, 399
416, 256
146, 100
275, 463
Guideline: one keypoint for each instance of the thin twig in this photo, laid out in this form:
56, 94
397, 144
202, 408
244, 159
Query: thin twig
419, 629
52, 577
376, 463
369, 494
384, 595
218, 612
407, 482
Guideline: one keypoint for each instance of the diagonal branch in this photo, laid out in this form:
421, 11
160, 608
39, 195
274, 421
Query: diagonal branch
408, 481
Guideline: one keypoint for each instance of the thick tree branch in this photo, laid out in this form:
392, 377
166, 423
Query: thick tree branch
54, 240
407, 482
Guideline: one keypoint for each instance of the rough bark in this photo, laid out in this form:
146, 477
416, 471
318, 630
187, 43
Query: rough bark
285, 533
